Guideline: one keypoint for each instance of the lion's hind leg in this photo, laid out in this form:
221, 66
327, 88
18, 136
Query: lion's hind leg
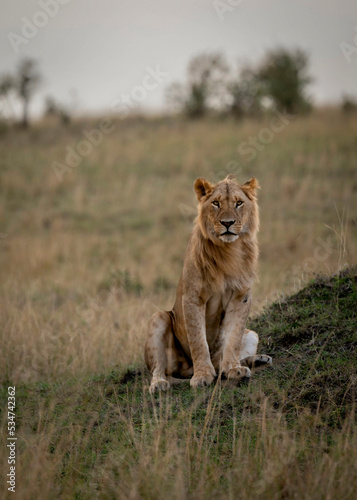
248, 356
158, 343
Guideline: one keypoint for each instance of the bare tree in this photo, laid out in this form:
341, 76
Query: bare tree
206, 78
205, 88
27, 81
6, 87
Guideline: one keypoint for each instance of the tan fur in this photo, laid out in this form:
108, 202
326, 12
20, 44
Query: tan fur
204, 334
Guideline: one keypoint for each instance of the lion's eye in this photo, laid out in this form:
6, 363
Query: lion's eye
215, 203
238, 203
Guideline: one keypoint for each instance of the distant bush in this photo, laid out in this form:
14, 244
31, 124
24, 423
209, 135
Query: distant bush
53, 108
279, 81
284, 77
349, 104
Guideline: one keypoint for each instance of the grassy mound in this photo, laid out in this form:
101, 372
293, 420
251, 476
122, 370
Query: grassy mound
312, 336
288, 433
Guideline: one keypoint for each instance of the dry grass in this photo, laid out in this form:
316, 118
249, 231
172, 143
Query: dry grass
84, 263
87, 260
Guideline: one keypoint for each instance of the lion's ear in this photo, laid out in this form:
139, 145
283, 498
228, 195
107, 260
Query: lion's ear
202, 187
250, 187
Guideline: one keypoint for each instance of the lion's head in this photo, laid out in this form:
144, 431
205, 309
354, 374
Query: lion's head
226, 210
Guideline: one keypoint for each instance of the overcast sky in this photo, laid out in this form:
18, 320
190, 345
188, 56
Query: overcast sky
101, 49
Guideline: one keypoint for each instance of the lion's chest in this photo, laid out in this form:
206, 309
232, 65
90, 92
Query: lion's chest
215, 310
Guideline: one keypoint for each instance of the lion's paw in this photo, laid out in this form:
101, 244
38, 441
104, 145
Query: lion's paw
263, 359
238, 372
160, 384
203, 378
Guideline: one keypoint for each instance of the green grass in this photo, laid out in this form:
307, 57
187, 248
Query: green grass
288, 433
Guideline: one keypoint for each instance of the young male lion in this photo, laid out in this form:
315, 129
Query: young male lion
204, 335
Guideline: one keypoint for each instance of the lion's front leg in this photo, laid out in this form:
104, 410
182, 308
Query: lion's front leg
194, 315
232, 331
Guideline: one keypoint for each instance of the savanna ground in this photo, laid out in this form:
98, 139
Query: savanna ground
85, 261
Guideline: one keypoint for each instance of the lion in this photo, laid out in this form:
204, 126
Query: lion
204, 335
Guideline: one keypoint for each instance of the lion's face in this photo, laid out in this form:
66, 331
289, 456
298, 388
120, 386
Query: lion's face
226, 209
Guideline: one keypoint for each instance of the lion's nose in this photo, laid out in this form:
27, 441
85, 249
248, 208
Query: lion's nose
227, 223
